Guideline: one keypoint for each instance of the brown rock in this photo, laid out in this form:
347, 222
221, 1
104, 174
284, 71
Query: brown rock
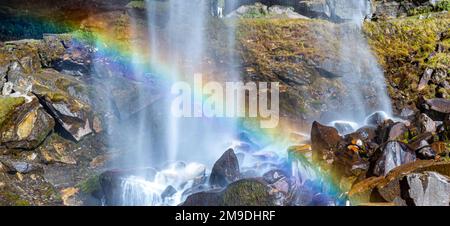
425, 79
439, 147
397, 131
324, 140
365, 191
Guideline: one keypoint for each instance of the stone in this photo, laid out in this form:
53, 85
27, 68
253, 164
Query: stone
394, 154
439, 104
390, 188
423, 83
7, 88
426, 124
425, 151
28, 127
407, 113
376, 118
428, 189
168, 192
225, 170
345, 127
439, 147
315, 8
397, 131
324, 140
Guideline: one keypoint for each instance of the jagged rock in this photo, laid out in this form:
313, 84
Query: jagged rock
259, 10
417, 141
315, 8
394, 154
225, 170
428, 189
426, 124
27, 127
15, 166
439, 104
423, 83
324, 140
425, 151
407, 113
7, 88
397, 131
390, 187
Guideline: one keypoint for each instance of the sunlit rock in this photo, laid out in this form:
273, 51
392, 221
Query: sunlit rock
394, 154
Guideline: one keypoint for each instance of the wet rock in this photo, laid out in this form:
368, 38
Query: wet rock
390, 187
324, 140
315, 8
428, 189
366, 134
205, 198
27, 127
248, 192
418, 141
394, 154
7, 88
281, 186
376, 119
225, 170
440, 105
259, 10
345, 127
168, 192
426, 124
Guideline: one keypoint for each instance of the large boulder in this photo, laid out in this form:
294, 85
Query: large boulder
324, 141
27, 127
390, 188
225, 170
394, 154
246, 192
428, 189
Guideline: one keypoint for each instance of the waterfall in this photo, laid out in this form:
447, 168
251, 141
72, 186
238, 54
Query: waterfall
361, 74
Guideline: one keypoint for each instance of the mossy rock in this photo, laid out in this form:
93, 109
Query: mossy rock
249, 192
7, 107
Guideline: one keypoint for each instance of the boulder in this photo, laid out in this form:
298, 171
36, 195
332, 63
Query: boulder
324, 140
246, 192
315, 8
440, 105
27, 127
394, 154
428, 189
390, 187
225, 170
398, 131
376, 118
426, 124
423, 83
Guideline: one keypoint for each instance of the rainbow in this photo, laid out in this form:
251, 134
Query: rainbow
126, 55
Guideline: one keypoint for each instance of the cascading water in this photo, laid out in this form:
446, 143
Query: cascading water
177, 31
361, 74
177, 38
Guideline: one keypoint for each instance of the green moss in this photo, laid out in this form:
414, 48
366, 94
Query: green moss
13, 199
136, 5
90, 185
7, 106
247, 193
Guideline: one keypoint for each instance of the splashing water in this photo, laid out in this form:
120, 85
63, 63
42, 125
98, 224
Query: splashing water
361, 74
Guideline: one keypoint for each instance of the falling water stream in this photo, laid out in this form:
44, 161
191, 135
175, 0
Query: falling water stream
178, 39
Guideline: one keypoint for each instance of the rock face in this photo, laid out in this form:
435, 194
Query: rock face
259, 10
429, 189
225, 170
394, 154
